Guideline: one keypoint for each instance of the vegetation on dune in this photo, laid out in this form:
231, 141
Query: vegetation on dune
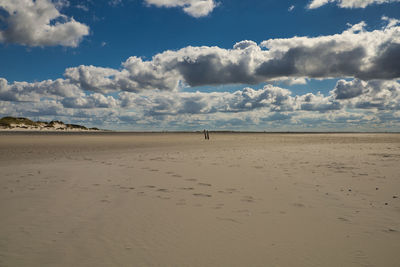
10, 122
76, 126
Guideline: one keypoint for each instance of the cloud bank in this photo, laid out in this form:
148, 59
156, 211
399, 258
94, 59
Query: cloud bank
349, 102
38, 23
150, 94
354, 53
349, 3
194, 8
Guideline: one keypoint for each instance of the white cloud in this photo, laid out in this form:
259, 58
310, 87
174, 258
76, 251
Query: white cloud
350, 102
82, 7
149, 93
95, 100
194, 8
354, 53
375, 94
115, 3
291, 8
349, 3
170, 103
39, 23
92, 78
33, 92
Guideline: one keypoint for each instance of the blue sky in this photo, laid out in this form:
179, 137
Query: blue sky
171, 65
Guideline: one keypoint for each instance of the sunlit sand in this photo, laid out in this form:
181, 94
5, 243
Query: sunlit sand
122, 199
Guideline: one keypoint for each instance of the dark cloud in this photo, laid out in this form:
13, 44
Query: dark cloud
346, 90
319, 61
386, 64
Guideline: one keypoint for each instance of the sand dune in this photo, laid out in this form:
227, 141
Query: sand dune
121, 199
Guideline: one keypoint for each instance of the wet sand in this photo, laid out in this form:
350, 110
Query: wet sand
122, 199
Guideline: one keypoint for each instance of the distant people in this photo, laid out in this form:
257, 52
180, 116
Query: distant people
206, 134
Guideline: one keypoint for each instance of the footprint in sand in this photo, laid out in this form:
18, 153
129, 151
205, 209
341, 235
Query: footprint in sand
219, 206
191, 179
343, 219
156, 159
201, 195
248, 199
150, 186
204, 184
162, 197
244, 212
186, 188
228, 219
181, 202
390, 230
163, 190
231, 190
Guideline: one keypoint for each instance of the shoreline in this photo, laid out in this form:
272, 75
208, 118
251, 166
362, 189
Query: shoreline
180, 132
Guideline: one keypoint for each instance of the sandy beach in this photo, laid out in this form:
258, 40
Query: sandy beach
152, 199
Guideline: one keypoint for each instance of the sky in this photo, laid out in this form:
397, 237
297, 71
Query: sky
186, 65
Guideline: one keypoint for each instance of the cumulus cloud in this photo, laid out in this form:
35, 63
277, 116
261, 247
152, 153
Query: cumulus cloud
39, 23
354, 53
95, 100
151, 92
33, 92
194, 8
90, 78
349, 3
167, 103
351, 101
375, 94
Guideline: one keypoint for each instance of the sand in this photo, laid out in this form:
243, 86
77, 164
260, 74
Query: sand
121, 199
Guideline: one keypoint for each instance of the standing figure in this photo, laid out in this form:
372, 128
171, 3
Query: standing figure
205, 134
208, 135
